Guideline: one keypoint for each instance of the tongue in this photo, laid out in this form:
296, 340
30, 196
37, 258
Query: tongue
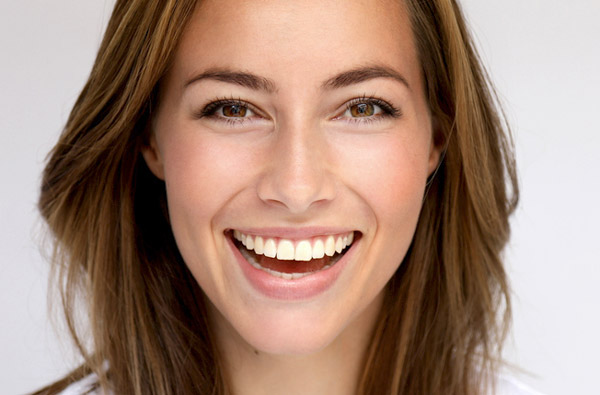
292, 266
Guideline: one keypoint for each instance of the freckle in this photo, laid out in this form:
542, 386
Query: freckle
256, 352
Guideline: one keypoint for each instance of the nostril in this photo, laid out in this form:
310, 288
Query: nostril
296, 196
275, 203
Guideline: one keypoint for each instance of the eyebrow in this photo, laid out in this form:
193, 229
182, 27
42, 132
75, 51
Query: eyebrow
246, 80
341, 80
362, 74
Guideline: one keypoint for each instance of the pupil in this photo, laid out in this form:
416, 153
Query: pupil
234, 111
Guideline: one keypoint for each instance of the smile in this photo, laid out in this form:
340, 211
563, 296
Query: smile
292, 259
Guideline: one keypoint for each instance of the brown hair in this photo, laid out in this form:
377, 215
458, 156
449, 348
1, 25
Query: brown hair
446, 310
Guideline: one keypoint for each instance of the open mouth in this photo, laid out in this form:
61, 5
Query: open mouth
293, 259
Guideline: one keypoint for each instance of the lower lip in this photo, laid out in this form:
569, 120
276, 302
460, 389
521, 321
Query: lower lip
303, 288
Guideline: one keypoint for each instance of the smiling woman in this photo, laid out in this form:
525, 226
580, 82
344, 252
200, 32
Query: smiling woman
309, 197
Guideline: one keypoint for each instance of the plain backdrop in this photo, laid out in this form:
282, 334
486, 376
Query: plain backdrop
545, 60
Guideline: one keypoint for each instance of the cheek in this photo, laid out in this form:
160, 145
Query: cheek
190, 171
389, 173
202, 173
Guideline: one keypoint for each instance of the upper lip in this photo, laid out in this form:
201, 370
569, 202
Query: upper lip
294, 233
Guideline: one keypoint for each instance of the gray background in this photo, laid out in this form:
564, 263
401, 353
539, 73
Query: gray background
545, 59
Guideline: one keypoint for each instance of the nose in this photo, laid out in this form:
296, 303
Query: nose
298, 174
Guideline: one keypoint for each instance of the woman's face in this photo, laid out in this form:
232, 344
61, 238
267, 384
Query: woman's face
301, 128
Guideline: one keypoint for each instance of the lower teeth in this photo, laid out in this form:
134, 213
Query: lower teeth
287, 276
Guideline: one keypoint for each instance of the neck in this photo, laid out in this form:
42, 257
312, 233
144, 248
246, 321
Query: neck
334, 370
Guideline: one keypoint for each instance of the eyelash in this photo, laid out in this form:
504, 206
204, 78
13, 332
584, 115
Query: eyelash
209, 111
387, 110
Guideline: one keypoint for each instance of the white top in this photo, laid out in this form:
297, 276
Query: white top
84, 387
506, 385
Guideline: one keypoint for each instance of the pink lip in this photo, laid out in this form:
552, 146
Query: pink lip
293, 290
294, 233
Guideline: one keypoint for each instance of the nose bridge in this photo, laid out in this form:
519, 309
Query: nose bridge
298, 176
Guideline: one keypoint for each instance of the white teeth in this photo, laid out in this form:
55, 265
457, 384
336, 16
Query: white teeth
303, 250
285, 250
330, 246
250, 243
318, 250
270, 248
258, 245
339, 245
288, 276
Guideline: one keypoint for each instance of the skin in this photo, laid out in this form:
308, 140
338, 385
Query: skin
300, 159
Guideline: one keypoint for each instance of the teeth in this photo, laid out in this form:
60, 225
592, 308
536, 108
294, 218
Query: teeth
303, 251
318, 250
299, 250
270, 248
339, 245
287, 276
285, 250
250, 243
258, 245
330, 246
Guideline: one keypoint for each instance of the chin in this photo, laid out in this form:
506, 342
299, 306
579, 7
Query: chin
284, 340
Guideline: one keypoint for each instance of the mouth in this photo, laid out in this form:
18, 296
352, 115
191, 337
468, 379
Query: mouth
293, 259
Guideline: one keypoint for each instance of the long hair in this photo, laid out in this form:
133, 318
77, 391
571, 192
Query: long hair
446, 310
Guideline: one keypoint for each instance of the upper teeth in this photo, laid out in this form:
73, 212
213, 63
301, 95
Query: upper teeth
299, 250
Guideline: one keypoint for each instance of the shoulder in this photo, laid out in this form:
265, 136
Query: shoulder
505, 385
86, 386
508, 385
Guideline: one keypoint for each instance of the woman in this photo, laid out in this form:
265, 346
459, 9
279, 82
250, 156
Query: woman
300, 197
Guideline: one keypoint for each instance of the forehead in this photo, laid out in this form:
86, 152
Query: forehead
304, 39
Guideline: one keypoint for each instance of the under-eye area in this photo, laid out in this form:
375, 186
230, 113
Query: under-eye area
293, 259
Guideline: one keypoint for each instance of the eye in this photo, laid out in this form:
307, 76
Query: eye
364, 110
229, 110
367, 109
233, 111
